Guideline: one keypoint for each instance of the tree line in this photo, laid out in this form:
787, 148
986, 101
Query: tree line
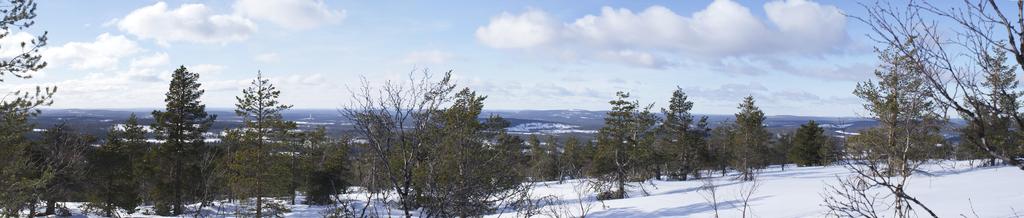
421, 147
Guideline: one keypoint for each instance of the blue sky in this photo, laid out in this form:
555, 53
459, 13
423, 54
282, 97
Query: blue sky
796, 57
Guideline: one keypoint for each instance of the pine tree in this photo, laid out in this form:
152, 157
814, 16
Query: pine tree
808, 143
781, 147
720, 143
554, 160
545, 157
16, 108
178, 173
328, 167
750, 139
576, 158
62, 154
256, 169
678, 143
111, 166
624, 145
698, 137
997, 123
454, 183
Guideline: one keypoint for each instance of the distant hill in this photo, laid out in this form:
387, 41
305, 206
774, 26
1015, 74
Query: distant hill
579, 122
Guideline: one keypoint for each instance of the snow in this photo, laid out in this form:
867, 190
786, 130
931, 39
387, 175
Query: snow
951, 189
548, 128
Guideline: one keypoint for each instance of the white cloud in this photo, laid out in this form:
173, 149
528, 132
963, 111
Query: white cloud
206, 69
10, 45
427, 57
157, 59
267, 57
637, 58
104, 53
293, 14
653, 36
529, 29
806, 23
304, 80
189, 23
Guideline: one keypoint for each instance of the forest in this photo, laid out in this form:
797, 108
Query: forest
422, 147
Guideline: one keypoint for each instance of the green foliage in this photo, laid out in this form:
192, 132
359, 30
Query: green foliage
114, 185
908, 128
625, 145
680, 147
997, 124
257, 167
452, 181
329, 167
61, 154
810, 146
576, 157
545, 159
178, 170
750, 139
17, 179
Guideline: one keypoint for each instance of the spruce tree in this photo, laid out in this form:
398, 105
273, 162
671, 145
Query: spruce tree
178, 173
750, 139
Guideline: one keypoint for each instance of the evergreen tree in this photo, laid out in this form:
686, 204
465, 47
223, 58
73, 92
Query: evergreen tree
178, 170
256, 169
808, 143
453, 182
539, 163
553, 160
722, 139
111, 166
576, 158
908, 125
997, 123
328, 163
678, 143
624, 145
781, 147
698, 137
16, 108
510, 146
62, 153
750, 139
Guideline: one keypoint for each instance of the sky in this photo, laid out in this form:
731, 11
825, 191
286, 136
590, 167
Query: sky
796, 57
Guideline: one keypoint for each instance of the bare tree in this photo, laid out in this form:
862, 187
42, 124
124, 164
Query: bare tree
391, 119
955, 57
709, 190
746, 194
852, 197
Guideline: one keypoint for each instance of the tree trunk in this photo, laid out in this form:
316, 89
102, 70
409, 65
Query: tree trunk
51, 207
657, 171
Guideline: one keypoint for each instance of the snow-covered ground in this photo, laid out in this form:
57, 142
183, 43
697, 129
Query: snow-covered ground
950, 189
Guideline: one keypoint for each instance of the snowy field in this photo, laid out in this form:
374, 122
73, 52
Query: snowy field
950, 189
